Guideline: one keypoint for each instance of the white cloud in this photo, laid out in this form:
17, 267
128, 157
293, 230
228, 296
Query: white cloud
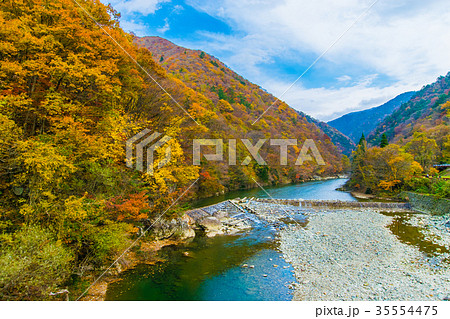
177, 9
405, 41
165, 27
242, 53
138, 28
329, 103
144, 7
344, 78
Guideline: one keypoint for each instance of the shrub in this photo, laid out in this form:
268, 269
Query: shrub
108, 241
32, 264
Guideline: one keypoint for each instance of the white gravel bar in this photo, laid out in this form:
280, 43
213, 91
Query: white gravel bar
351, 255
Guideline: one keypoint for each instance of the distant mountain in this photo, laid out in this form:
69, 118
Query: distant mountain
424, 112
355, 123
342, 142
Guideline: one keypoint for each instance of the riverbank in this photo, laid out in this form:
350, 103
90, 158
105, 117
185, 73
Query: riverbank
369, 197
351, 255
223, 218
145, 255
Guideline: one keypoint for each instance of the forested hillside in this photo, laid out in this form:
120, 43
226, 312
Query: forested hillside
402, 151
424, 112
238, 103
343, 142
69, 99
364, 122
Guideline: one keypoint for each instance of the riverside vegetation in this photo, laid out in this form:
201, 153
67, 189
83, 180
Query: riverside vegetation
406, 145
408, 164
69, 99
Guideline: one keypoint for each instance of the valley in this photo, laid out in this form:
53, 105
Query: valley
135, 168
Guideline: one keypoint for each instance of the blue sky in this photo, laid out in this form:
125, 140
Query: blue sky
395, 47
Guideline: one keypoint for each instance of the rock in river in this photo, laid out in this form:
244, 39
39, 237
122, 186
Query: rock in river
211, 225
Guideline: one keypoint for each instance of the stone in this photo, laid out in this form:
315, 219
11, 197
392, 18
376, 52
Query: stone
176, 228
221, 215
188, 219
210, 224
186, 232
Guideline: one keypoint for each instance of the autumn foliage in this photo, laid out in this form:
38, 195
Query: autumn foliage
407, 162
72, 91
69, 98
229, 107
134, 207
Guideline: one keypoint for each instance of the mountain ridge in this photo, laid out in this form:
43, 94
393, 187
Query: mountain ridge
164, 49
423, 112
354, 124
239, 102
342, 141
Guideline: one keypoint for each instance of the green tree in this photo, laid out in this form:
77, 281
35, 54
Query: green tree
446, 150
222, 95
362, 142
262, 171
358, 162
384, 141
346, 164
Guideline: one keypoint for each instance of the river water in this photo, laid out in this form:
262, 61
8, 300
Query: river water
325, 190
214, 268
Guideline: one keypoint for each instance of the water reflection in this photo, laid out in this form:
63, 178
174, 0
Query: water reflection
413, 235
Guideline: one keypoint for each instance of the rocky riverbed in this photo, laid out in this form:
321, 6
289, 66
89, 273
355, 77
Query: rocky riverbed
360, 252
225, 218
352, 255
434, 228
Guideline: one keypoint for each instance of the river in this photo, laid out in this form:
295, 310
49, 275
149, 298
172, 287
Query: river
325, 190
214, 268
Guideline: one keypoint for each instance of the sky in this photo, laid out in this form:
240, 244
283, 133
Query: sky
369, 51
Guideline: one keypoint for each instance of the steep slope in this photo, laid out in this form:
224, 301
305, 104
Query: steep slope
70, 98
418, 134
342, 142
356, 123
423, 112
237, 103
